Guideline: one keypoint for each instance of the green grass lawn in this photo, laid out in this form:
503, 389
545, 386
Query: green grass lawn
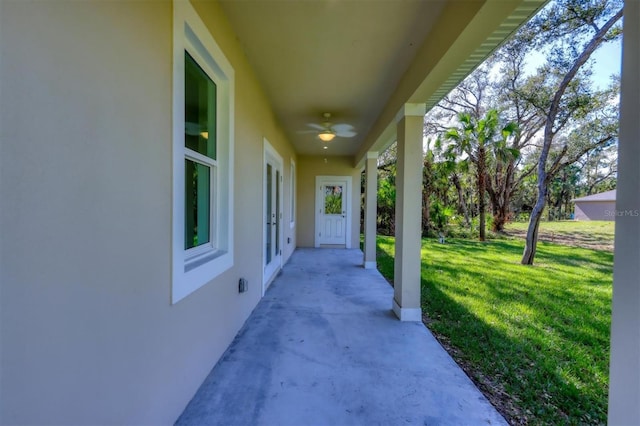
535, 339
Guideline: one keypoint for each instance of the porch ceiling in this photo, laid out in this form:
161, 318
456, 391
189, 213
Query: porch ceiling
361, 60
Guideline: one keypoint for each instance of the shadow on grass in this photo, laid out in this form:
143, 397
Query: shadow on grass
536, 338
514, 369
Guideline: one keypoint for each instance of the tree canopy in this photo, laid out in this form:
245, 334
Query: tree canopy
562, 133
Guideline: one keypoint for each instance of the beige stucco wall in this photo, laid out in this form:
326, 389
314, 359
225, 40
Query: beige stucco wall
311, 166
88, 332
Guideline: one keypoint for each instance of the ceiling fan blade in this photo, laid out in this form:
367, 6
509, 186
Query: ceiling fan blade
339, 128
316, 126
346, 134
192, 129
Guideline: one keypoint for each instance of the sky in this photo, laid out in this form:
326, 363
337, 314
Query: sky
606, 62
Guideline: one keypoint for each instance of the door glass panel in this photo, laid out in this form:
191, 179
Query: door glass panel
197, 179
333, 199
268, 213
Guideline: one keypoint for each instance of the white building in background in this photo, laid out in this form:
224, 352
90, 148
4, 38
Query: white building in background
600, 206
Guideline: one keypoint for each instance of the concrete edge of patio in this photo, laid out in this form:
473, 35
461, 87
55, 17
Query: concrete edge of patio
324, 348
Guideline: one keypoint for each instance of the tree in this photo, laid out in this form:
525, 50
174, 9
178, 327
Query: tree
510, 175
570, 30
483, 141
386, 192
561, 190
427, 189
453, 168
598, 170
492, 86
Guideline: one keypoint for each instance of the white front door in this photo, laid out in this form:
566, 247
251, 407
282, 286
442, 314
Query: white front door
333, 210
272, 215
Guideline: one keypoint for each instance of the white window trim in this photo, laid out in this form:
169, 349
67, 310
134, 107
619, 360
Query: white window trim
292, 192
193, 268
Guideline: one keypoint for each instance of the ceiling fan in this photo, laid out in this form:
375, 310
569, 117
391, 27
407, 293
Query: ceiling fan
327, 131
195, 129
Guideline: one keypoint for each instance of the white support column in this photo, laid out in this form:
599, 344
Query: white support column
370, 209
406, 279
624, 371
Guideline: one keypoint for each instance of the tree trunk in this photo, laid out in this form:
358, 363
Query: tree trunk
500, 194
500, 206
543, 178
500, 219
481, 173
532, 233
461, 202
559, 203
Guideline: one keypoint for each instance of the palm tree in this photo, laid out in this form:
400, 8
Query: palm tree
453, 168
483, 142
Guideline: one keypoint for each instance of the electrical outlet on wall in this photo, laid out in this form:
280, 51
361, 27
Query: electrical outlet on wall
243, 285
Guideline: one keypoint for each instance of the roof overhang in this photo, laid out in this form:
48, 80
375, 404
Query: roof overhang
362, 61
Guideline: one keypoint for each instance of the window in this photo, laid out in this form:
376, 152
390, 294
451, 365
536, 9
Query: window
200, 156
203, 89
292, 189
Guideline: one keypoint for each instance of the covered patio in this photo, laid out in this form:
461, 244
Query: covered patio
114, 308
324, 347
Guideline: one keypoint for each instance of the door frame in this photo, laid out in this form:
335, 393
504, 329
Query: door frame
271, 155
320, 202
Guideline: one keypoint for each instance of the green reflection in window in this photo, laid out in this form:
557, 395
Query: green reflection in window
197, 208
199, 109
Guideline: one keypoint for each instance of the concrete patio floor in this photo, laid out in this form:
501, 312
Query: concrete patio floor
324, 348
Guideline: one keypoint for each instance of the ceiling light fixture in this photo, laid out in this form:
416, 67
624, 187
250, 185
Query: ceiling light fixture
326, 135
